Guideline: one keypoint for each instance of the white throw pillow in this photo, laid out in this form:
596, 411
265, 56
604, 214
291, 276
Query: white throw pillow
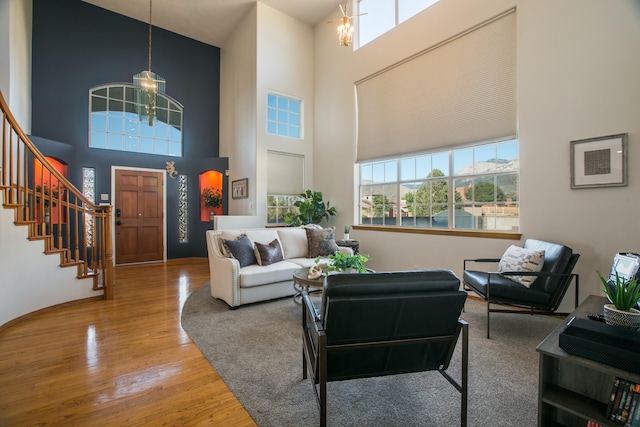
516, 258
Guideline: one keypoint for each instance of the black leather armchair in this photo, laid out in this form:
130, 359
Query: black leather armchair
542, 297
380, 324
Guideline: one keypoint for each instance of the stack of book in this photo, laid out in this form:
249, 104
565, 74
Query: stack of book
623, 407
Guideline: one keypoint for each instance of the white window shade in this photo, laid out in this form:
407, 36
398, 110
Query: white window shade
461, 91
285, 173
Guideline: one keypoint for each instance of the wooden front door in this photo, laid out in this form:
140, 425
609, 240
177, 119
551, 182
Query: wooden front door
139, 216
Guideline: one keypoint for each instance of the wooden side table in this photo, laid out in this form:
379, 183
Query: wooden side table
573, 390
353, 244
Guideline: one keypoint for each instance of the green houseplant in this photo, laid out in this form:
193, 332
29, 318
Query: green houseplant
311, 210
343, 263
212, 198
624, 296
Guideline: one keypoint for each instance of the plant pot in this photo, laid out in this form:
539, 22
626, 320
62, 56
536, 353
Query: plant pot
346, 236
626, 319
212, 214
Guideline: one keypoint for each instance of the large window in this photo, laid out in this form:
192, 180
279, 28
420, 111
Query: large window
278, 206
114, 123
283, 116
383, 15
471, 187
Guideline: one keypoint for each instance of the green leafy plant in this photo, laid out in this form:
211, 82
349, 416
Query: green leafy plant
342, 262
311, 210
212, 197
623, 295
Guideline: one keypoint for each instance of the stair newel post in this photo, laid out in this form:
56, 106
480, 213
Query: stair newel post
109, 272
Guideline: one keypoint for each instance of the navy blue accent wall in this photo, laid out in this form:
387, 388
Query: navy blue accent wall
77, 46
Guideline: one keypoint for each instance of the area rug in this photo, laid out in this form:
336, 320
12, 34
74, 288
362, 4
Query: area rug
257, 350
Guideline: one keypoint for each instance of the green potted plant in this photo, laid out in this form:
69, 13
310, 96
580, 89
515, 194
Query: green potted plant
212, 199
311, 210
343, 263
346, 232
624, 296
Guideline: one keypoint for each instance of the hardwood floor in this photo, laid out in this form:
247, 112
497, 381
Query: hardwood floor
125, 362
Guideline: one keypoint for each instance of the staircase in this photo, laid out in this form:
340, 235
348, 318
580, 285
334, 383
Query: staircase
67, 227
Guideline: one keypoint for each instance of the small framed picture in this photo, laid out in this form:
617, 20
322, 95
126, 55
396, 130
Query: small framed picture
599, 162
239, 188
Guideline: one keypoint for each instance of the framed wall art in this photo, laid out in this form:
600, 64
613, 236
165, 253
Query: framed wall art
240, 188
599, 162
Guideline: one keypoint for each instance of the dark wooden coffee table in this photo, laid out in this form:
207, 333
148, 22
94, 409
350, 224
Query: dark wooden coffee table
301, 282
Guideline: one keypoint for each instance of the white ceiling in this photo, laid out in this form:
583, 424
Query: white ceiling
212, 21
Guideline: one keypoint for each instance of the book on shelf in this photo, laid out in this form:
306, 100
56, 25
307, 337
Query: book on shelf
623, 406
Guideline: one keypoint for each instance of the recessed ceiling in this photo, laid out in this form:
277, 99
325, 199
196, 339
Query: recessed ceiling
212, 21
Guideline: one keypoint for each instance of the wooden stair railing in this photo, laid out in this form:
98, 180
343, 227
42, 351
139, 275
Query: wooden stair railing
53, 209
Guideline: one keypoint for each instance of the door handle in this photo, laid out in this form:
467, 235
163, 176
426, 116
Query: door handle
118, 222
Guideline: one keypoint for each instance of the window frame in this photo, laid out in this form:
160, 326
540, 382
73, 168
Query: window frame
399, 185
275, 112
141, 138
288, 206
397, 18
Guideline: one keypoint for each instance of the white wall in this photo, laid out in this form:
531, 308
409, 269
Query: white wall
15, 58
578, 63
285, 66
40, 282
238, 108
269, 51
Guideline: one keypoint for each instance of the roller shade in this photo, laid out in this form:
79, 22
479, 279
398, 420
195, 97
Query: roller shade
460, 91
285, 173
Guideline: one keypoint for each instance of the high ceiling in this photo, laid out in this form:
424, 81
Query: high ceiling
212, 21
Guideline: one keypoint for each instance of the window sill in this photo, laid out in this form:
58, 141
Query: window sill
441, 231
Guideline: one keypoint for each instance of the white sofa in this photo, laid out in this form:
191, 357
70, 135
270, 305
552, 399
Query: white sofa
243, 285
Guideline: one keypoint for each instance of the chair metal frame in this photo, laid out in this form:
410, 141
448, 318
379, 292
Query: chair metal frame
315, 350
523, 307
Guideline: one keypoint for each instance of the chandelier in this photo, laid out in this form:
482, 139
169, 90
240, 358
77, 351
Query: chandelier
147, 85
345, 30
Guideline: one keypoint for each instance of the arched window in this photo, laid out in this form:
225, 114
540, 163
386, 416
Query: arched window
114, 123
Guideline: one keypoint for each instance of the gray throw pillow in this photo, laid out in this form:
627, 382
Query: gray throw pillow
269, 254
241, 249
321, 242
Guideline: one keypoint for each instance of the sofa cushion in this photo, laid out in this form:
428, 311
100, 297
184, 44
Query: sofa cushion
240, 249
516, 258
321, 242
294, 242
268, 254
255, 275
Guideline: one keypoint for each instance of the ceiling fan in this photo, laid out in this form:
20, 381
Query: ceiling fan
345, 30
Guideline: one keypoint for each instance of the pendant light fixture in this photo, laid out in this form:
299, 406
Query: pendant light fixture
345, 30
147, 85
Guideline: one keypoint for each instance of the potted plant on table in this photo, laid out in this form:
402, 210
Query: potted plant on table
342, 263
624, 296
346, 232
212, 199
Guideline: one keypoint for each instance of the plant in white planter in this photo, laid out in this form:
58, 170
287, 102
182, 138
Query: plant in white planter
624, 296
343, 263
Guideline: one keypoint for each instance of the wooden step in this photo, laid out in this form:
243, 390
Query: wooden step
43, 237
55, 251
71, 263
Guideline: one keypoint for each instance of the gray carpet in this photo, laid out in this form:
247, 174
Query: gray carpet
257, 350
